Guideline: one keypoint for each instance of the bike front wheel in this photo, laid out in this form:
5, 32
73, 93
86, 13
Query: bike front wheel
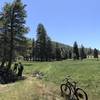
81, 94
65, 90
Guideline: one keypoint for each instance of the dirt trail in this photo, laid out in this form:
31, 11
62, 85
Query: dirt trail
43, 90
3, 88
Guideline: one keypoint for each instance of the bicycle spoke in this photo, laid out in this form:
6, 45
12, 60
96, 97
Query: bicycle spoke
81, 94
65, 89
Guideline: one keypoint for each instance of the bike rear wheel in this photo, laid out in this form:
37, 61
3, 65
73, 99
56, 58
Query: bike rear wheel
65, 90
81, 94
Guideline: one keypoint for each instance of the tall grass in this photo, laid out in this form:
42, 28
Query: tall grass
86, 72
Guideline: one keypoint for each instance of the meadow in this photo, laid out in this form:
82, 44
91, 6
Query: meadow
86, 73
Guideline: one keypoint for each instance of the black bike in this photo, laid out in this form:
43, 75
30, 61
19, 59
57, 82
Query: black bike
72, 92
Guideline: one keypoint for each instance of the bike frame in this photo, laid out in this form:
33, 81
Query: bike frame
72, 86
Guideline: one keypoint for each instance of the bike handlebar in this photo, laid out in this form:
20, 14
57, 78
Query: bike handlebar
67, 80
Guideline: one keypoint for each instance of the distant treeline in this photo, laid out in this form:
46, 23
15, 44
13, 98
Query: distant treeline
44, 49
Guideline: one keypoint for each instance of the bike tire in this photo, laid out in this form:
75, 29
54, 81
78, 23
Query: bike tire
65, 90
81, 94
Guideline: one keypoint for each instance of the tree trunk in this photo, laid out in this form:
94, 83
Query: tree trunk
11, 42
4, 49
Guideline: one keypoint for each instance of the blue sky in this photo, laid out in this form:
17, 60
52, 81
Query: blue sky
66, 21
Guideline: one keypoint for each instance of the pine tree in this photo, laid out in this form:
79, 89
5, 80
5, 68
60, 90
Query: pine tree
37, 51
43, 45
75, 51
14, 23
58, 52
33, 49
4, 36
41, 42
95, 53
82, 52
90, 52
66, 54
70, 54
48, 49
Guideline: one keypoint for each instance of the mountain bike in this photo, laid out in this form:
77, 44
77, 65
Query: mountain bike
72, 92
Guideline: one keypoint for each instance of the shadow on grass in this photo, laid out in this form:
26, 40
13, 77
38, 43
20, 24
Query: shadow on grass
21, 78
28, 64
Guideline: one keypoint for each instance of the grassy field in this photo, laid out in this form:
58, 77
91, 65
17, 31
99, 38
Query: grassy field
86, 72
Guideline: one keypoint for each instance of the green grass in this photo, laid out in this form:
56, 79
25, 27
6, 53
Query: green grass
86, 72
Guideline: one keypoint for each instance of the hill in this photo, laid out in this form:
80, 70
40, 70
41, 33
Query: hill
61, 45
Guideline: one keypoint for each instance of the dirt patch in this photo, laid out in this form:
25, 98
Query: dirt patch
3, 88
